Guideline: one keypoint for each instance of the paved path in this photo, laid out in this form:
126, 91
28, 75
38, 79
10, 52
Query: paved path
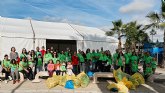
29, 87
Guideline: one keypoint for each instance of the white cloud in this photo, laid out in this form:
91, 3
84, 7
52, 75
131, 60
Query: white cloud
137, 6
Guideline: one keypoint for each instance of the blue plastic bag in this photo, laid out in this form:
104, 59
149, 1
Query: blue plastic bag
69, 84
90, 74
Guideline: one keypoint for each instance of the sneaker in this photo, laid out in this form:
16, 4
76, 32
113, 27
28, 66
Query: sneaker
18, 81
10, 78
6, 81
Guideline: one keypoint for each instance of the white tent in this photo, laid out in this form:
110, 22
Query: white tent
25, 33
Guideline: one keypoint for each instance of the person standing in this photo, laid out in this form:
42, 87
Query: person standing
88, 62
127, 63
14, 54
14, 71
115, 56
81, 60
134, 63
50, 68
43, 51
120, 61
75, 63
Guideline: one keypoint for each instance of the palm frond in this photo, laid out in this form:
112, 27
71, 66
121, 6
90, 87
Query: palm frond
163, 9
154, 17
110, 33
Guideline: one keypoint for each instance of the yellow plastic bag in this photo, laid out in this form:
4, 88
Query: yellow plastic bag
62, 80
121, 88
70, 77
52, 82
127, 83
138, 78
84, 79
77, 83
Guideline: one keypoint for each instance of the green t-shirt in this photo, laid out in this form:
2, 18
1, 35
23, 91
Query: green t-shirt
6, 63
13, 67
22, 65
39, 63
37, 53
47, 57
134, 67
127, 58
148, 71
115, 57
134, 60
63, 68
80, 57
104, 58
89, 56
148, 60
97, 56
120, 63
30, 63
153, 64
93, 55
109, 60
23, 55
62, 58
55, 60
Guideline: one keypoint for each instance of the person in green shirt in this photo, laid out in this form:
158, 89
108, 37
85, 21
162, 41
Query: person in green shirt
154, 64
39, 63
93, 58
98, 62
115, 56
81, 60
88, 62
62, 57
104, 60
38, 51
127, 62
46, 58
23, 65
6, 67
55, 57
109, 61
63, 68
23, 54
120, 61
134, 63
147, 60
14, 71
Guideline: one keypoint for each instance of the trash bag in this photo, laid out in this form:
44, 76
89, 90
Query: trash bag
84, 79
127, 83
70, 77
90, 74
52, 82
118, 87
139, 78
69, 84
119, 75
77, 83
62, 80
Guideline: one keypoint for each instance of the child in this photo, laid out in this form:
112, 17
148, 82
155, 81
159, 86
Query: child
69, 68
63, 68
23, 65
39, 63
14, 71
50, 68
57, 67
154, 64
6, 68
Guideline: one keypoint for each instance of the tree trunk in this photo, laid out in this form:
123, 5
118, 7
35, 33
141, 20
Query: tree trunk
163, 62
119, 38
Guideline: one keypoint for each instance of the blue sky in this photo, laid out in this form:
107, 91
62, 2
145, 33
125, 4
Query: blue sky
95, 13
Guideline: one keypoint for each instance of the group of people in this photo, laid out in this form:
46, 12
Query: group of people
67, 62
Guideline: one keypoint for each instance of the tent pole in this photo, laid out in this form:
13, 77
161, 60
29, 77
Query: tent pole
33, 35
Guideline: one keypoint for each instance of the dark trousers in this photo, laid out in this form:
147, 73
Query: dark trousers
87, 66
75, 69
50, 73
58, 72
26, 74
7, 73
98, 65
102, 66
120, 67
63, 72
127, 69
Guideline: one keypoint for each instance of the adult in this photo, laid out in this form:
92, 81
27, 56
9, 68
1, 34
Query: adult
81, 60
14, 54
43, 51
38, 51
89, 59
75, 63
24, 54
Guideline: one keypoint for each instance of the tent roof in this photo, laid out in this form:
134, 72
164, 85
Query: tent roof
10, 27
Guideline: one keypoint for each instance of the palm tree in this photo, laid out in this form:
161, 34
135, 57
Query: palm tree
152, 33
158, 21
118, 28
135, 35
